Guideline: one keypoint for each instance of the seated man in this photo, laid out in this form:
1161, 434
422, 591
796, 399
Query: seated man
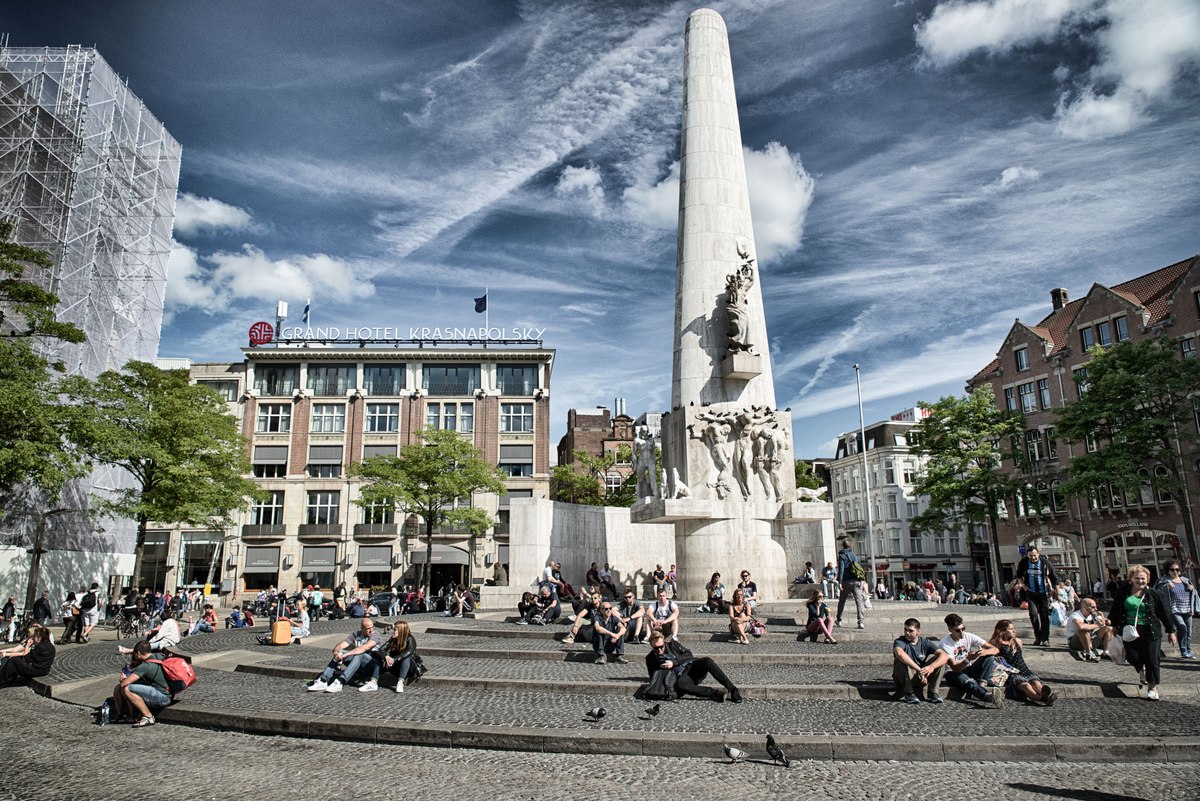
235, 620
633, 615
358, 609
664, 616
161, 639
584, 616
349, 656
971, 662
31, 659
608, 634
749, 590
142, 691
1088, 633
917, 664
549, 609
690, 670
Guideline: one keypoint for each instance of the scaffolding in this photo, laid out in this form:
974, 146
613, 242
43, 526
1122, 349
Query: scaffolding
89, 175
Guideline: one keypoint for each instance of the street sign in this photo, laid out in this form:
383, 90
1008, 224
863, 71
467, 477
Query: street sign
1021, 550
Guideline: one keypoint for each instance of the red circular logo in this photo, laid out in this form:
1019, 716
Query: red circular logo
261, 333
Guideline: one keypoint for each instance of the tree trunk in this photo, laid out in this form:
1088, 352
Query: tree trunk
993, 534
135, 582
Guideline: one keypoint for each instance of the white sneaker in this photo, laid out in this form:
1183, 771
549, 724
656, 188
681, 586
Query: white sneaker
400, 686
335, 686
317, 686
1152, 695
369, 687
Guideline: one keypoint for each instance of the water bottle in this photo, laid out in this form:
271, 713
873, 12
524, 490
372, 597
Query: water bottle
105, 712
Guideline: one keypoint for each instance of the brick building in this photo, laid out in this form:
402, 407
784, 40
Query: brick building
1033, 373
598, 433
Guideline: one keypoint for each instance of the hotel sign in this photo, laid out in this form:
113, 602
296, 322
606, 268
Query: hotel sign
261, 333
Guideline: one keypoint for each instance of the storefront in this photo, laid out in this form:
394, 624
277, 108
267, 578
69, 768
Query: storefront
199, 558
261, 569
317, 566
374, 567
1138, 546
450, 566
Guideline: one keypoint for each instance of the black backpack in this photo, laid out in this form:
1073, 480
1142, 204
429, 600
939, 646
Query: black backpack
88, 602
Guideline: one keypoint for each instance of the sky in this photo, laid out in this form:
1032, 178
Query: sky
921, 173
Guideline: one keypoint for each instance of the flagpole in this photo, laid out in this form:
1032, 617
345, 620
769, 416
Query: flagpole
486, 313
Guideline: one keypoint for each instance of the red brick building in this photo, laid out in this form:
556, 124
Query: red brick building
597, 433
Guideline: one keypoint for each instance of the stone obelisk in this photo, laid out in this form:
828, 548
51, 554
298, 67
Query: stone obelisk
727, 482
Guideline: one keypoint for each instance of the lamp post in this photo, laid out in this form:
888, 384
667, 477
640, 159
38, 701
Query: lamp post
862, 431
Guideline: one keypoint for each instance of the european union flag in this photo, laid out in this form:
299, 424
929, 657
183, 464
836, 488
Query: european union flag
481, 304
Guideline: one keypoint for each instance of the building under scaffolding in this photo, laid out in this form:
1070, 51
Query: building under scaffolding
89, 175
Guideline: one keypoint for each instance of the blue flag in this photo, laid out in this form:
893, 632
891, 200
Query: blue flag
481, 304
307, 303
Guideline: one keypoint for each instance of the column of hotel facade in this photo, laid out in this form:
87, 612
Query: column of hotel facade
307, 413
1034, 374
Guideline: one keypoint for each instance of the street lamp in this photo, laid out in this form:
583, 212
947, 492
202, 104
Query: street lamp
862, 430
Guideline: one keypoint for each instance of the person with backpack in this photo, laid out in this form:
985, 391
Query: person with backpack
143, 690
89, 606
850, 574
688, 672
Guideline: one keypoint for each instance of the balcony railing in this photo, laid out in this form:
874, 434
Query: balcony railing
272, 531
376, 529
320, 530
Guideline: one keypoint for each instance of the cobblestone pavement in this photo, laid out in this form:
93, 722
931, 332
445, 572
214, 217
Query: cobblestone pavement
118, 762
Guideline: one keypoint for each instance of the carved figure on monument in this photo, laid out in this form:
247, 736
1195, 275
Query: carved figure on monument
804, 493
747, 449
737, 308
645, 465
771, 445
680, 490
715, 434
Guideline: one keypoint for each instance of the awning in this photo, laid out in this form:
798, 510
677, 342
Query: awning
324, 558
442, 555
261, 560
374, 556
270, 454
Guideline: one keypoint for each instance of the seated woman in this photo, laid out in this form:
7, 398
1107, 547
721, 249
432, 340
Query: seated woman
161, 639
716, 596
207, 622
818, 618
29, 660
462, 600
1023, 684
301, 622
739, 618
398, 655
526, 608
584, 616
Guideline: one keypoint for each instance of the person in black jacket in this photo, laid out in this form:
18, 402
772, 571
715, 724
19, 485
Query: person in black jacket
31, 659
1139, 605
398, 655
690, 670
1039, 578
42, 611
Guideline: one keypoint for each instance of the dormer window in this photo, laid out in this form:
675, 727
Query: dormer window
1121, 325
1104, 334
1022, 356
1087, 338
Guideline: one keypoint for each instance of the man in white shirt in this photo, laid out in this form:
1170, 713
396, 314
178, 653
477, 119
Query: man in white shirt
971, 662
1088, 633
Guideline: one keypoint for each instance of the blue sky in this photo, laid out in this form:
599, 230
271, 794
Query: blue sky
922, 173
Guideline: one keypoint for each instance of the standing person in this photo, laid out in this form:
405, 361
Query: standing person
90, 609
739, 617
659, 576
8, 618
398, 655
818, 618
1023, 683
917, 664
1148, 612
394, 602
1039, 578
850, 575
972, 661
42, 611
31, 659
1181, 595
71, 617
673, 580
829, 580
339, 600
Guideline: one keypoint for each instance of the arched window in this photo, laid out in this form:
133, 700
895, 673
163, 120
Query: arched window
1058, 501
1145, 488
1043, 498
1160, 481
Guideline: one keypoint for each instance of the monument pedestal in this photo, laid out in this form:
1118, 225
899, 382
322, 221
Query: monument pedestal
741, 366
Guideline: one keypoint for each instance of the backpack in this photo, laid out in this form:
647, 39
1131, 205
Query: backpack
178, 671
662, 686
88, 602
857, 571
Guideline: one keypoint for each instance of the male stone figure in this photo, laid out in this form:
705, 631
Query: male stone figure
645, 465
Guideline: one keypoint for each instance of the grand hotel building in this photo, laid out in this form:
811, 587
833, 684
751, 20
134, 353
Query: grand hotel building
309, 410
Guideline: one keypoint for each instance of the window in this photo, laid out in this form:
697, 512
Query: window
612, 481
1058, 501
1104, 334
1160, 480
331, 379
1051, 444
450, 379
270, 471
1187, 346
1043, 498
516, 379
1028, 398
1145, 488
516, 418
910, 473
383, 379
894, 535
1022, 357
914, 543
955, 543
1121, 326
889, 472
912, 509
269, 512
276, 379
1044, 392
1090, 444
1118, 495
1033, 445
328, 418
522, 470
270, 461
458, 417
516, 461
378, 513
274, 418
1086, 338
325, 471
1010, 399
383, 418
1081, 380
323, 507
228, 390
939, 542
893, 507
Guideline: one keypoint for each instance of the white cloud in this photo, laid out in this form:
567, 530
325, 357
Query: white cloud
186, 282
196, 215
1142, 48
780, 193
1013, 176
584, 181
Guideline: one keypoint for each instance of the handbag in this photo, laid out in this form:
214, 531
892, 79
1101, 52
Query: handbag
1129, 633
662, 686
418, 668
757, 629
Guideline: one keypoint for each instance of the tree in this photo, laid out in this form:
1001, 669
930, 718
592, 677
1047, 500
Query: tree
176, 439
590, 487
967, 441
1138, 406
27, 310
805, 476
428, 479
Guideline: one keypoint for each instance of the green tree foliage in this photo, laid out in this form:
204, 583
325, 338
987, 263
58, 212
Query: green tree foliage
805, 476
967, 441
587, 486
178, 442
427, 479
27, 310
1139, 407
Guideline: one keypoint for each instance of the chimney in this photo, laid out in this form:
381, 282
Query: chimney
1058, 298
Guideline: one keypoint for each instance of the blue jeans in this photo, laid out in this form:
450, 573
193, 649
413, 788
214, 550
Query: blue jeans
394, 608
1183, 630
973, 677
348, 667
602, 643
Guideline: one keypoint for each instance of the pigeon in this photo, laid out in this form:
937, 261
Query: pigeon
654, 710
776, 753
596, 712
735, 755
